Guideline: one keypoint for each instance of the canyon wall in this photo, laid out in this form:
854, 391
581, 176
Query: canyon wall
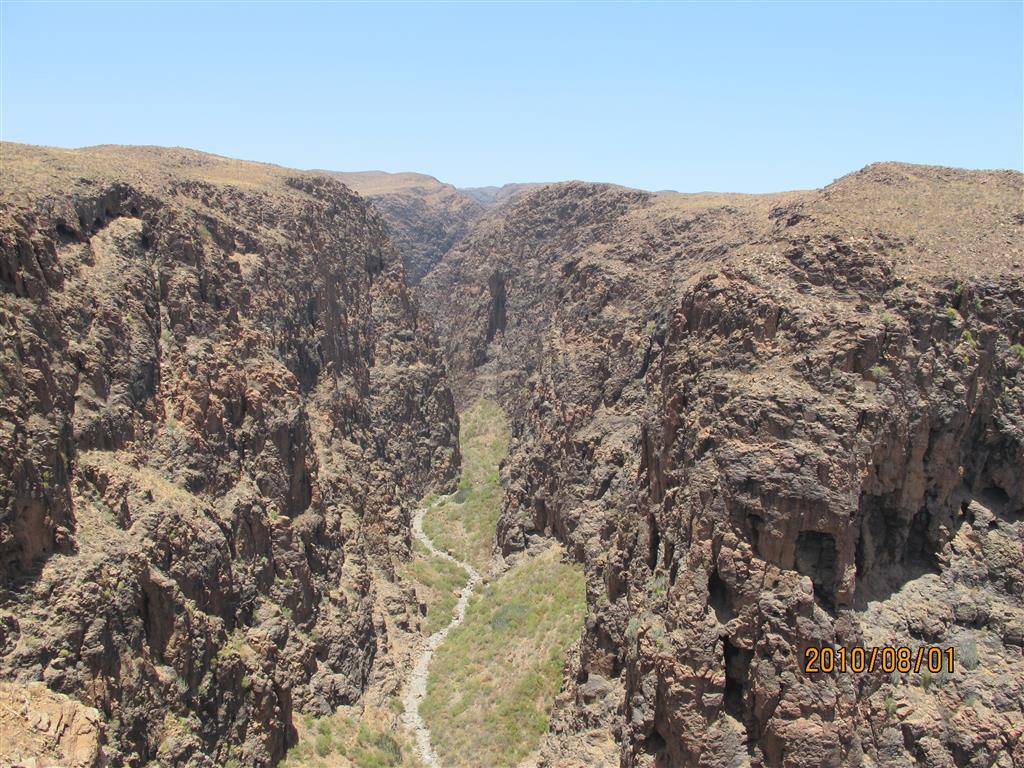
761, 423
425, 217
218, 402
765, 423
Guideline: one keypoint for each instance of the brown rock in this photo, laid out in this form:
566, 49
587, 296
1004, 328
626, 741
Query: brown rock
41, 728
218, 400
765, 423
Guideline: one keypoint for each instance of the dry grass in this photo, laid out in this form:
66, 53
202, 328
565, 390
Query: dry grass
369, 183
438, 583
345, 739
492, 682
464, 523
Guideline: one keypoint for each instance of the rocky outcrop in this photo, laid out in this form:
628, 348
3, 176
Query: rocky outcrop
40, 728
764, 424
424, 216
218, 403
495, 293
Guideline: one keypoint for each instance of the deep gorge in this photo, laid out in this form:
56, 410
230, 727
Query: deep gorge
756, 423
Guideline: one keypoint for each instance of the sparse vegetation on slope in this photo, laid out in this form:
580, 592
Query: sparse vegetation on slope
439, 582
464, 523
493, 681
342, 740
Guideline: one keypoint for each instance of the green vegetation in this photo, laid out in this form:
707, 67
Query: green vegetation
952, 314
175, 727
237, 644
890, 705
440, 581
342, 740
967, 655
926, 678
1018, 349
464, 524
492, 682
969, 339
879, 373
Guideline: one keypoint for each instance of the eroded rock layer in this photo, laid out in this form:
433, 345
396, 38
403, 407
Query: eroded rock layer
425, 217
218, 400
765, 424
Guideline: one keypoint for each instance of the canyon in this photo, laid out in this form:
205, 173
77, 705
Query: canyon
755, 423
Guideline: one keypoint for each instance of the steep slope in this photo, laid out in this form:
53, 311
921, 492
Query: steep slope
217, 402
765, 424
496, 196
425, 217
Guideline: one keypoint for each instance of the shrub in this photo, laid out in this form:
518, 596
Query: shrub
657, 585
967, 653
952, 315
660, 636
632, 631
969, 339
1018, 350
464, 523
879, 373
386, 743
323, 743
481, 709
508, 617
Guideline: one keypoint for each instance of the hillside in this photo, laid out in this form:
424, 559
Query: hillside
495, 196
218, 403
425, 217
765, 423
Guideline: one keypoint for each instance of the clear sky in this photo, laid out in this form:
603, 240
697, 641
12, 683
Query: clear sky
743, 97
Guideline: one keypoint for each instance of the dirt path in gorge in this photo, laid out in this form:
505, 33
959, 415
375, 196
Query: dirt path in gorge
416, 690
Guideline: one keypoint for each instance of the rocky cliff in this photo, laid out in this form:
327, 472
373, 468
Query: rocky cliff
765, 424
425, 217
762, 423
217, 400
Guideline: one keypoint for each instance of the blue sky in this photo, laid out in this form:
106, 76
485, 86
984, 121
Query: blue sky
743, 97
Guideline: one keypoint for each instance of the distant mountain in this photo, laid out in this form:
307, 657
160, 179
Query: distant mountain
425, 216
493, 196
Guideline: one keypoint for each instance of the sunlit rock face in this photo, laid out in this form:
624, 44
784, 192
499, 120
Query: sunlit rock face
765, 423
218, 403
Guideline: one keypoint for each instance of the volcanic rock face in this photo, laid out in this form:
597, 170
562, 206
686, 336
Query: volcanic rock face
216, 401
425, 217
765, 424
